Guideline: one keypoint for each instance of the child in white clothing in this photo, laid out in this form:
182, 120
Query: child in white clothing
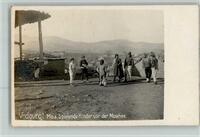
102, 73
72, 72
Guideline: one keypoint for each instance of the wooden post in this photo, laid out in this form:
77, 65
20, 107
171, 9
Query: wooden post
20, 41
40, 39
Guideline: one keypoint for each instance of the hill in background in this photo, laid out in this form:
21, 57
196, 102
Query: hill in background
52, 44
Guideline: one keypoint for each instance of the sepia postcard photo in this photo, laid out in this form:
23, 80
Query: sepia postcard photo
90, 65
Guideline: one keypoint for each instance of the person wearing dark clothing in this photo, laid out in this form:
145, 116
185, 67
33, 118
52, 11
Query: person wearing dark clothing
117, 68
146, 63
84, 68
120, 69
128, 66
154, 67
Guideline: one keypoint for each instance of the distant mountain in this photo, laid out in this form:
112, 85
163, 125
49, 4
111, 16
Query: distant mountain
113, 46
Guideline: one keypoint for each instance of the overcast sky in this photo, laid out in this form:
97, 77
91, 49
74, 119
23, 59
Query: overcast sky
98, 25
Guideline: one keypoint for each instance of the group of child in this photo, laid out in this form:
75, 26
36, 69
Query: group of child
83, 66
149, 62
84, 70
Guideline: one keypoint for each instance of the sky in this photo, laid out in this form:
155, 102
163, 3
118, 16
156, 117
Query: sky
88, 25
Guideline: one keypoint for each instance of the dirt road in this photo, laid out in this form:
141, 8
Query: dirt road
57, 100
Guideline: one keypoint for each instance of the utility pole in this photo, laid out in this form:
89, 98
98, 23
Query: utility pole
20, 41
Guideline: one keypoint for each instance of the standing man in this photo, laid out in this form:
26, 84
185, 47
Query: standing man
84, 68
117, 68
154, 67
146, 63
128, 66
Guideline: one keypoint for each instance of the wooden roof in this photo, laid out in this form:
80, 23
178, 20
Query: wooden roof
29, 16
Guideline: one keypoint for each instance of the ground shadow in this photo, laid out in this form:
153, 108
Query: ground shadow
110, 83
137, 81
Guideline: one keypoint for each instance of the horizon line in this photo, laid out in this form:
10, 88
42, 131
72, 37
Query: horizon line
98, 40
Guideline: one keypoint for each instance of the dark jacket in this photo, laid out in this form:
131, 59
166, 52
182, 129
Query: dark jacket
83, 64
129, 61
